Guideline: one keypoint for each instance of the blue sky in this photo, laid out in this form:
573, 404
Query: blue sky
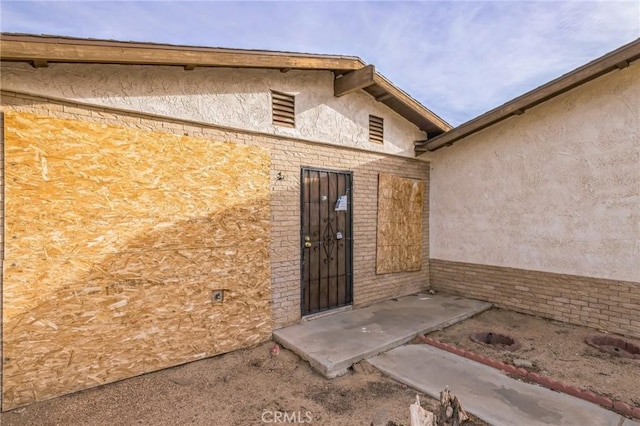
459, 59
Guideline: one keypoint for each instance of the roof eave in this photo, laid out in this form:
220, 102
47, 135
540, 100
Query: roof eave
617, 59
42, 50
393, 97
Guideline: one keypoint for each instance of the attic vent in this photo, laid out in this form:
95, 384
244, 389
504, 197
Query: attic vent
283, 109
376, 129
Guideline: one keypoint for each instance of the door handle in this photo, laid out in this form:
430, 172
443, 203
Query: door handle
307, 244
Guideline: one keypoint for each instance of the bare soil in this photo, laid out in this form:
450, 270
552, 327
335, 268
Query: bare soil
245, 387
556, 349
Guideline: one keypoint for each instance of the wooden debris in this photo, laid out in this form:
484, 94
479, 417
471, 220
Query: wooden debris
450, 412
420, 416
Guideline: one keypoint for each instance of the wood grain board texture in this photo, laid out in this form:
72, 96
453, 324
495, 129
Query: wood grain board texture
115, 239
399, 239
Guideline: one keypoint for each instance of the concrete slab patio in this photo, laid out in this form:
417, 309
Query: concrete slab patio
488, 393
334, 343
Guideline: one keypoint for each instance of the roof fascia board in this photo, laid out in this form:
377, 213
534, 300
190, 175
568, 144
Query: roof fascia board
403, 97
592, 70
14, 48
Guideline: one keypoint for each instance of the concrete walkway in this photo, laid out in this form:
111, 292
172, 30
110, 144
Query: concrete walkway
334, 343
487, 392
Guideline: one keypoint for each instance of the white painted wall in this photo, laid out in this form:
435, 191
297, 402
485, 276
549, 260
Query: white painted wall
556, 189
230, 97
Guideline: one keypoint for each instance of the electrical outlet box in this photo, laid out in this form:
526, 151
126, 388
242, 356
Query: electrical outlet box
217, 296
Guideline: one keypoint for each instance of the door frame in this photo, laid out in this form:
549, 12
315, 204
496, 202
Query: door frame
349, 242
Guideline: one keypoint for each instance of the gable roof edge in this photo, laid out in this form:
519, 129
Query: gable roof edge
39, 50
616, 59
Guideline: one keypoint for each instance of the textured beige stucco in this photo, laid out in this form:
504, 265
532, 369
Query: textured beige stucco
237, 98
556, 189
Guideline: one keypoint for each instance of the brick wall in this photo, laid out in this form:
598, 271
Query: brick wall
288, 156
599, 303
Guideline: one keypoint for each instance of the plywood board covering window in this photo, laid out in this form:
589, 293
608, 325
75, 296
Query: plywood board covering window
399, 239
376, 129
283, 109
117, 238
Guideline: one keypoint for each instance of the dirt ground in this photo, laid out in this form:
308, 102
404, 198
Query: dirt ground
253, 387
556, 349
245, 387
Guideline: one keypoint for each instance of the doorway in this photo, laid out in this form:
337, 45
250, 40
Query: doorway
326, 223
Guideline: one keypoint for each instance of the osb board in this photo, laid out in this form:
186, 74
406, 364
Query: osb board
115, 239
399, 239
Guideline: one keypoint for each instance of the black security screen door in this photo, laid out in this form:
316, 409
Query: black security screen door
326, 239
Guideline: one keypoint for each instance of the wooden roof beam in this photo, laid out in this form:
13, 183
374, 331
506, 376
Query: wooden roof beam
409, 102
355, 80
384, 97
39, 63
622, 64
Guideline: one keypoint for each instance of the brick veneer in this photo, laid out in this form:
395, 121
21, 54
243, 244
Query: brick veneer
288, 155
603, 304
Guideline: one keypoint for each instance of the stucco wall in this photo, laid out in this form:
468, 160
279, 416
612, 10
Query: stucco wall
556, 189
237, 98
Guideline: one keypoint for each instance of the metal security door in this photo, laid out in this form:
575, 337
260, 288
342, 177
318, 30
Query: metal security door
326, 239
